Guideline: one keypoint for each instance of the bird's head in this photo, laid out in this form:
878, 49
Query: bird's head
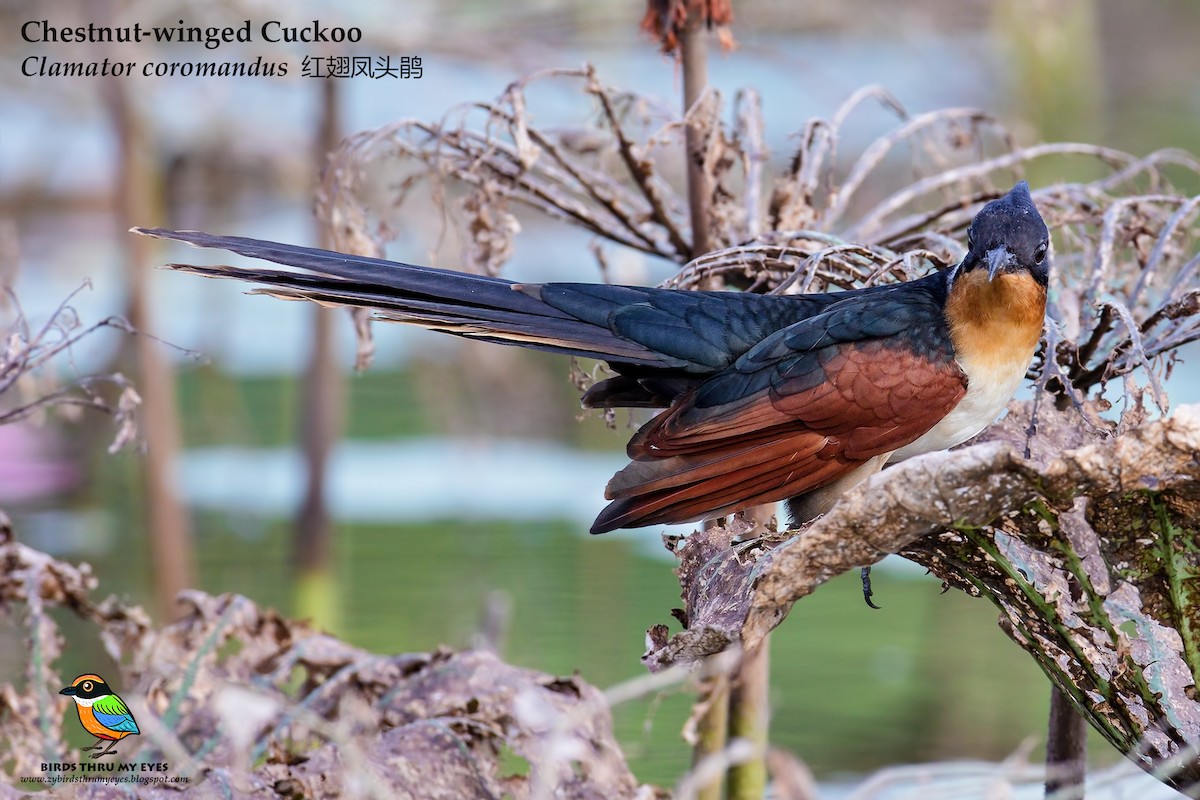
1009, 236
87, 687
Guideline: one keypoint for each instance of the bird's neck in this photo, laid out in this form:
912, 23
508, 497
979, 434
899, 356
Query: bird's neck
997, 322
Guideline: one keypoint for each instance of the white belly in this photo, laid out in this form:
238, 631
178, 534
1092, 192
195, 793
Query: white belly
990, 385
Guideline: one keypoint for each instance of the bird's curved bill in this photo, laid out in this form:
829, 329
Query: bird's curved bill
997, 259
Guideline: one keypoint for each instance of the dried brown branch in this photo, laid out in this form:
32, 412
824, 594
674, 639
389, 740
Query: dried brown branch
1126, 249
518, 161
640, 169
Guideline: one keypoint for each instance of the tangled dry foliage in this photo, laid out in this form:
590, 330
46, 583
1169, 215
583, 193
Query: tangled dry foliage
1080, 525
31, 374
241, 702
248, 704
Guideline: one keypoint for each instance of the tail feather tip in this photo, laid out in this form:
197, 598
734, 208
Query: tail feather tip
608, 520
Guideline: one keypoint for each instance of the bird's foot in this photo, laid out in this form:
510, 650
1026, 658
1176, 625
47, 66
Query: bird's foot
866, 587
98, 745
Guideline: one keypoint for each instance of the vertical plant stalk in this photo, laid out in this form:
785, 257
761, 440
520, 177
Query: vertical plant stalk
748, 710
711, 730
739, 712
693, 50
170, 533
1066, 749
712, 727
748, 721
322, 401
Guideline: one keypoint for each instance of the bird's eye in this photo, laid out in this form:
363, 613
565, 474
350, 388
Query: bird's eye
1039, 255
87, 686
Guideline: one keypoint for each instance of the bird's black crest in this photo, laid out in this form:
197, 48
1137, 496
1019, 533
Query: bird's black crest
1009, 228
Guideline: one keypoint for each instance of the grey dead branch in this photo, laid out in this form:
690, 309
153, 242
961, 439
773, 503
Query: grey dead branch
1090, 556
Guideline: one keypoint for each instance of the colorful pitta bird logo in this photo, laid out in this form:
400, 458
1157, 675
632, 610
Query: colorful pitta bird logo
101, 712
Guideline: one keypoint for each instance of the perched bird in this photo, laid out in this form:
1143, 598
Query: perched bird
766, 397
101, 712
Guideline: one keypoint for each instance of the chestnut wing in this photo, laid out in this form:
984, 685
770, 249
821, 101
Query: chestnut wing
797, 411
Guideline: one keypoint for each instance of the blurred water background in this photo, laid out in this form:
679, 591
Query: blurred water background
465, 476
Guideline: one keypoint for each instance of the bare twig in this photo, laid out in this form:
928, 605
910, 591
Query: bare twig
25, 353
752, 145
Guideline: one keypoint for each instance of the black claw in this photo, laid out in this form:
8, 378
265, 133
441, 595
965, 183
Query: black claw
866, 583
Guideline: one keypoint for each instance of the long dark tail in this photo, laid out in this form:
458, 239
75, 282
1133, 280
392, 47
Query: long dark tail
474, 306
